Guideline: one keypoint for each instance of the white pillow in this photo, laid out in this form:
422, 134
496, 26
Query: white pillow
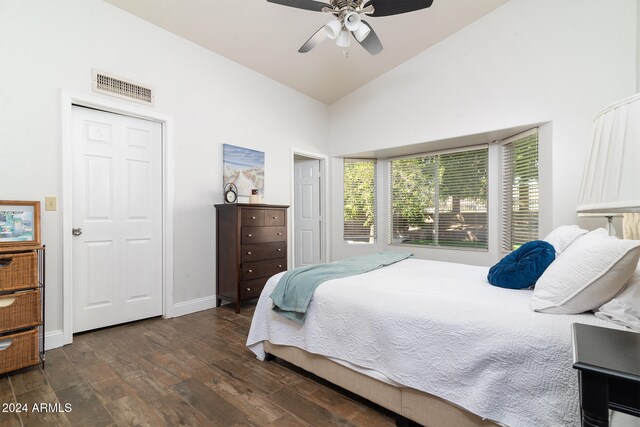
624, 309
590, 272
563, 236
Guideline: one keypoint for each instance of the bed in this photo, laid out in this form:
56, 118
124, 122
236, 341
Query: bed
433, 342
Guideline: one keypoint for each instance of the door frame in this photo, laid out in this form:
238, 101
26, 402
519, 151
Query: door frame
324, 198
67, 100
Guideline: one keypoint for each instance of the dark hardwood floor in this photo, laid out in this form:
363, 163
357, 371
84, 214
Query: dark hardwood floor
193, 370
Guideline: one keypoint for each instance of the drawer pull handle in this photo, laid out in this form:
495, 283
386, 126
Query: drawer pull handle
6, 262
275, 217
253, 217
279, 265
250, 271
279, 250
6, 344
249, 253
279, 234
248, 289
6, 302
249, 235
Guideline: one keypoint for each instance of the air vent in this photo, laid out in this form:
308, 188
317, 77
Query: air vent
121, 88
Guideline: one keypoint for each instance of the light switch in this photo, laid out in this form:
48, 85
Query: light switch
50, 204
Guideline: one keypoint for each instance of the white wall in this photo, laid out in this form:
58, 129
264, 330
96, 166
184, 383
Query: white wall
544, 61
637, 46
46, 46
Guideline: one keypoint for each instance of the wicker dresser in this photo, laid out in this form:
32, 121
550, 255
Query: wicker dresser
251, 247
21, 307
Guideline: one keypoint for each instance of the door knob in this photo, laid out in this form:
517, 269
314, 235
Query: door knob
76, 231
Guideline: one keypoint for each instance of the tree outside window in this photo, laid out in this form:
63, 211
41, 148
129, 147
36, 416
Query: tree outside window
359, 201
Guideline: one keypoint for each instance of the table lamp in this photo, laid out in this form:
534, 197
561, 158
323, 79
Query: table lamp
611, 181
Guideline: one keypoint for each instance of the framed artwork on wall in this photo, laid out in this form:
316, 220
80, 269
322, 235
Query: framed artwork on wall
243, 168
19, 223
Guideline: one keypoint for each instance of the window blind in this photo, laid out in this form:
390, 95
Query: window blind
520, 190
359, 200
439, 199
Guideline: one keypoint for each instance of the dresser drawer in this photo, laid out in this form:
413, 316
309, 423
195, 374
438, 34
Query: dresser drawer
252, 288
262, 251
20, 310
263, 234
19, 350
18, 271
252, 217
274, 217
267, 268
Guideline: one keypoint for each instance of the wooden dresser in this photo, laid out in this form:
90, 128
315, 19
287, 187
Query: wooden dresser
251, 247
21, 307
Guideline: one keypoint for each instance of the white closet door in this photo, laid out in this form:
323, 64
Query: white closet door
117, 219
307, 212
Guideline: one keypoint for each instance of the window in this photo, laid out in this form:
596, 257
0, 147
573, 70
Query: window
440, 199
520, 190
360, 201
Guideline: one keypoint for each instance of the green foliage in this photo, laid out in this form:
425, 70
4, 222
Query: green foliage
413, 184
463, 175
359, 194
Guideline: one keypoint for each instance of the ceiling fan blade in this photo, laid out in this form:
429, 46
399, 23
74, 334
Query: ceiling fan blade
314, 40
396, 7
371, 43
303, 4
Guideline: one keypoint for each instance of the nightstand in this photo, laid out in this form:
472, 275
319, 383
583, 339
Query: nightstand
608, 364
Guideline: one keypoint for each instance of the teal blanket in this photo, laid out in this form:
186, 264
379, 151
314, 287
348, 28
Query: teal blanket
294, 291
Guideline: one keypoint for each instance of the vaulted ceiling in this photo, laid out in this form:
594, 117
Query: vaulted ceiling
265, 37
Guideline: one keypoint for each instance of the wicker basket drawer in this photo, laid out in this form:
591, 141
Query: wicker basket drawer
20, 310
19, 350
18, 271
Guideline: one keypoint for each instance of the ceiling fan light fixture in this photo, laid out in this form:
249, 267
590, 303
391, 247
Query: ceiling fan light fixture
333, 28
347, 19
352, 21
361, 32
343, 39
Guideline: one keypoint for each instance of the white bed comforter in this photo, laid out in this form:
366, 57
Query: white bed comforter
441, 328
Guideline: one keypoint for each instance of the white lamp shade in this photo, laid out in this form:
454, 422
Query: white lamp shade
343, 39
333, 28
611, 181
352, 21
361, 32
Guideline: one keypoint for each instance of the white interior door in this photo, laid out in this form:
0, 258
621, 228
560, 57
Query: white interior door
117, 219
307, 218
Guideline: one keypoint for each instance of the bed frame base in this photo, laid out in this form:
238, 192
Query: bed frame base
405, 422
413, 407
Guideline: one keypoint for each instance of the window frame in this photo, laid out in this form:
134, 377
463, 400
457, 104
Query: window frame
389, 202
506, 215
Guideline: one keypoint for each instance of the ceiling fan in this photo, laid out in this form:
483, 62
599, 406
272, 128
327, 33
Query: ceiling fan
347, 19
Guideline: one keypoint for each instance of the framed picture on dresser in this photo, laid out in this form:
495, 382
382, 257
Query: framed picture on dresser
19, 223
244, 168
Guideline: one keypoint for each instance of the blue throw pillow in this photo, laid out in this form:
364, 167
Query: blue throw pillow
523, 267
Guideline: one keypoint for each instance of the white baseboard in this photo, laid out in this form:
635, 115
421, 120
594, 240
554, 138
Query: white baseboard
53, 339
188, 307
